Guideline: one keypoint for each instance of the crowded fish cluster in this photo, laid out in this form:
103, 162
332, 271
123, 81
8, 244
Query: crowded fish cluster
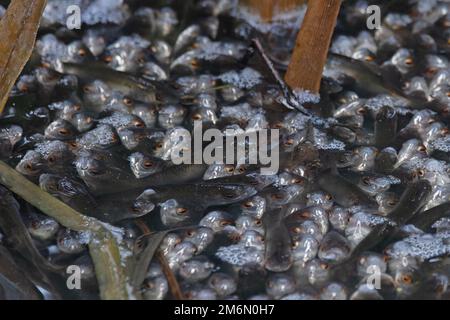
359, 208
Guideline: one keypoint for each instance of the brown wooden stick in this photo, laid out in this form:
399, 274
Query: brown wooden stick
174, 286
18, 29
268, 8
311, 48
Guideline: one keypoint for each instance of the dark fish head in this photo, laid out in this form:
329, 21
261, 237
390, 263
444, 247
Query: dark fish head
90, 168
60, 130
227, 194
71, 242
144, 165
42, 227
31, 164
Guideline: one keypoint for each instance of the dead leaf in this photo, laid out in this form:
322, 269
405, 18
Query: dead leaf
18, 30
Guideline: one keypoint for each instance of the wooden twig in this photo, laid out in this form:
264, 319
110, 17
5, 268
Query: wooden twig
311, 48
174, 286
18, 30
103, 247
267, 9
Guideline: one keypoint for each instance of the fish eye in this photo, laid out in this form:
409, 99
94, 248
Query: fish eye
297, 181
182, 211
224, 223
366, 180
29, 167
138, 124
409, 61
258, 222
278, 125
194, 63
277, 196
361, 111
127, 101
73, 144
196, 117
82, 52
295, 244
305, 214
148, 164
421, 148
241, 170
328, 197
35, 224
51, 159
407, 279
420, 173
248, 204
108, 58
392, 203
289, 142
94, 172
229, 169
63, 131
76, 107
369, 58
190, 233
149, 285
324, 266
444, 131
296, 230
86, 89
158, 146
134, 208
141, 60
229, 195
431, 70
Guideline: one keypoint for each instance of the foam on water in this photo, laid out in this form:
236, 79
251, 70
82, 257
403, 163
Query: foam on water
245, 79
240, 255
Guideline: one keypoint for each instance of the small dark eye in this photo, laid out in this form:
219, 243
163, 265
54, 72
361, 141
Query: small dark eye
94, 172
63, 131
407, 279
29, 167
194, 63
296, 230
86, 89
422, 148
369, 58
328, 197
148, 164
182, 211
51, 159
289, 142
420, 173
224, 223
366, 180
76, 107
409, 61
229, 195
248, 204
127, 101
258, 222
324, 266
196, 117
361, 111
108, 58
82, 52
229, 169
138, 124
